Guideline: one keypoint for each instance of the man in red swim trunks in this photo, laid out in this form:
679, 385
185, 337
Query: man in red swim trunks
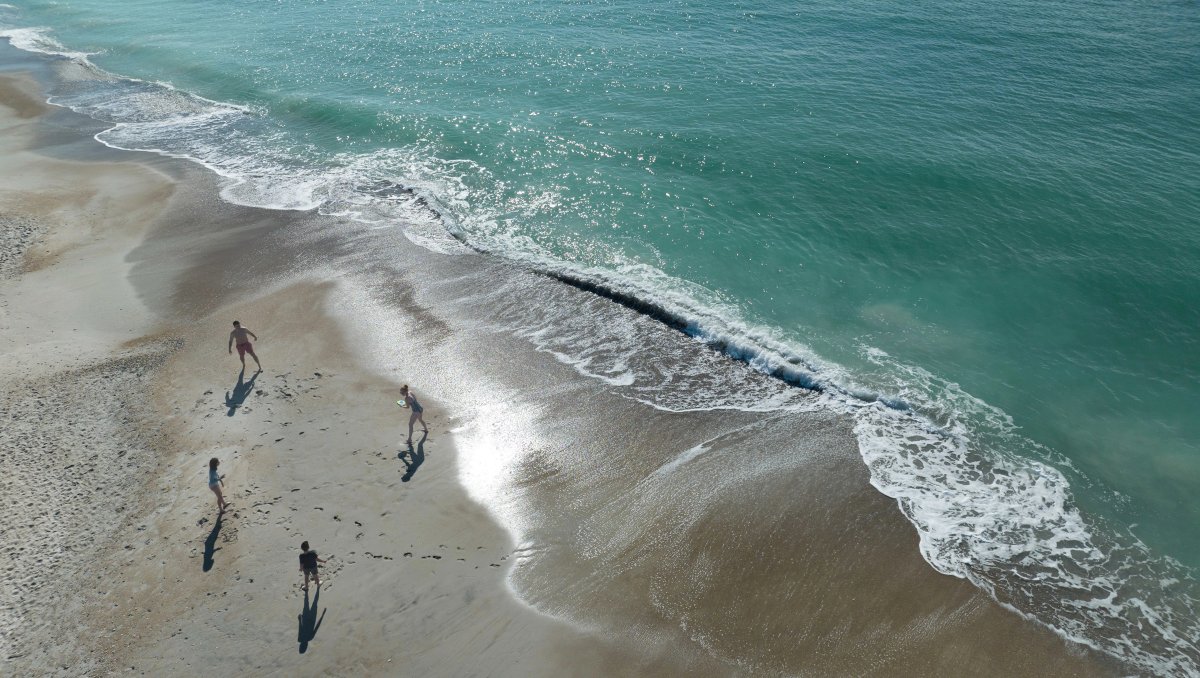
240, 336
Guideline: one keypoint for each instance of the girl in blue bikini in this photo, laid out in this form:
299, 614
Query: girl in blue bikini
215, 482
410, 399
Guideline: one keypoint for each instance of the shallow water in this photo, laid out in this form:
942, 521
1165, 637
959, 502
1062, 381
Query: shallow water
970, 224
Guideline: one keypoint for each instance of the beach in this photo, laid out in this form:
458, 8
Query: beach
551, 523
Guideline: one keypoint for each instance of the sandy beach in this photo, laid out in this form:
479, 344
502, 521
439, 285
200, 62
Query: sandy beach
550, 523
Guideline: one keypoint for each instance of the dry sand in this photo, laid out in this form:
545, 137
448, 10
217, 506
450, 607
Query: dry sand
118, 280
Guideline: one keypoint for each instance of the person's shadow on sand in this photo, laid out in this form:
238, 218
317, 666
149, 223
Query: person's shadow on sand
235, 399
413, 457
210, 545
309, 623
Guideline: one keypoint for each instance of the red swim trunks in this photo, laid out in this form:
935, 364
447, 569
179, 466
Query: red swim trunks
245, 348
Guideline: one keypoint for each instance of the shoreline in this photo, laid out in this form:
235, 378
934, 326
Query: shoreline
328, 292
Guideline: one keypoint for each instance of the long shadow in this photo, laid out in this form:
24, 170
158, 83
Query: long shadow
413, 457
309, 623
240, 392
210, 544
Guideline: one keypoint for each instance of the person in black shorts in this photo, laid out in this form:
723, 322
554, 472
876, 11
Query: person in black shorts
308, 565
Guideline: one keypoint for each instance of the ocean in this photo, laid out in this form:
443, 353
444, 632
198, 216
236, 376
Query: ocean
973, 227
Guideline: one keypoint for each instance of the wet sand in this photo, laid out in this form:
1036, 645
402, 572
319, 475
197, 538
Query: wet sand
550, 524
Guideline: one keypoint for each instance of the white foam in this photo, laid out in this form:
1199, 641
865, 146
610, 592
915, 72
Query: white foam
683, 458
1009, 524
39, 40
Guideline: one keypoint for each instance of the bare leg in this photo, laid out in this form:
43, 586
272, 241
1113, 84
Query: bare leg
220, 498
411, 420
255, 356
306, 580
421, 416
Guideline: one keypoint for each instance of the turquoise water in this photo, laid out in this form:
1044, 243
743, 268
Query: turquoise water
989, 212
